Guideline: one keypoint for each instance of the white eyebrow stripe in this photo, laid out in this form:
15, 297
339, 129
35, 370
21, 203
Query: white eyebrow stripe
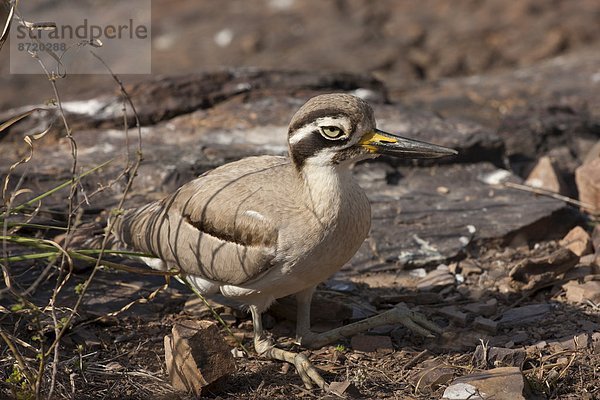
307, 130
301, 133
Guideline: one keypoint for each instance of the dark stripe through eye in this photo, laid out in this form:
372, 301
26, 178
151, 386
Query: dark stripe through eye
309, 146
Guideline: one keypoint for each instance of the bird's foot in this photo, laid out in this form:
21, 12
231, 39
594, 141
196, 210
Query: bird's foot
414, 321
309, 374
400, 314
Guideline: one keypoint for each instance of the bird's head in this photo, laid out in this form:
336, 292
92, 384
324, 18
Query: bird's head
337, 129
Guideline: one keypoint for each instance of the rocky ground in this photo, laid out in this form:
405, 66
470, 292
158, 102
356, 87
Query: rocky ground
492, 245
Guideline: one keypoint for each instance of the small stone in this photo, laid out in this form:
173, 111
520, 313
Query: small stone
587, 178
544, 176
499, 357
485, 324
372, 343
345, 389
505, 383
524, 315
196, 356
578, 241
579, 292
442, 190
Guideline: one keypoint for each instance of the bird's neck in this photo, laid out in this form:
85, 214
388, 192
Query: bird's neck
325, 187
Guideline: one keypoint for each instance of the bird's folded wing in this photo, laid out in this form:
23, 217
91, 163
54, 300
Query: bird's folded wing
207, 228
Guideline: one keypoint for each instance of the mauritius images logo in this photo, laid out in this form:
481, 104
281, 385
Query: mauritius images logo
84, 38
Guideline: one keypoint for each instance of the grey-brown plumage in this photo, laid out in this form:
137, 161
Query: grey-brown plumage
266, 227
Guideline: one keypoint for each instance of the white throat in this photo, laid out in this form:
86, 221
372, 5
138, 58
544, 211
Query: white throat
326, 186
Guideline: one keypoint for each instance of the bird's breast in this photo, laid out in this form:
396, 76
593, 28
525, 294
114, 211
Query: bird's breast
320, 242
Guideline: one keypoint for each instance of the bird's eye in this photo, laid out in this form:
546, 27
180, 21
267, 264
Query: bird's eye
332, 132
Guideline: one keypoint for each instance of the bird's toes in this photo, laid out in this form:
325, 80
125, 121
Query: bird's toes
308, 373
417, 322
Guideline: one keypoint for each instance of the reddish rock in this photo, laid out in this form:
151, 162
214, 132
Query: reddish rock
578, 241
587, 178
345, 389
196, 356
545, 177
580, 292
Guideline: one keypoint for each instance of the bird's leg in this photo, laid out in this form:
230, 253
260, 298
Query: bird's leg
303, 301
265, 347
400, 314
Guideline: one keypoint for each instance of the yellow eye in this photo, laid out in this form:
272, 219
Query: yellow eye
332, 132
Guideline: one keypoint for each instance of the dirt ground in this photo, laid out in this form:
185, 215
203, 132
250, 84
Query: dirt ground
123, 356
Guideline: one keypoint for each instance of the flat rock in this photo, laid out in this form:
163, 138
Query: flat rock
505, 383
524, 315
230, 115
413, 224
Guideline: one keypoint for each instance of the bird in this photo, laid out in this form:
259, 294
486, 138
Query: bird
265, 227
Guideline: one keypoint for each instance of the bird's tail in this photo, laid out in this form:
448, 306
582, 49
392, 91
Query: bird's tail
129, 232
134, 228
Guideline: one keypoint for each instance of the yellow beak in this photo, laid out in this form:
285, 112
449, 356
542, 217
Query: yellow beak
381, 142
